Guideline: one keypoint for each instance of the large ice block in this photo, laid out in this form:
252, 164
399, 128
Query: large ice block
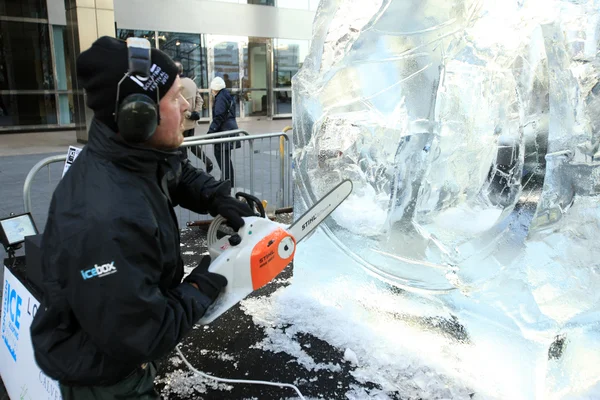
471, 132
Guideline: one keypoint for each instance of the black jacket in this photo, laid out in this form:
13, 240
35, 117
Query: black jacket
223, 116
113, 297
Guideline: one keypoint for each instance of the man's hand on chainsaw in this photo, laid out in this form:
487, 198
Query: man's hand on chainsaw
233, 210
209, 283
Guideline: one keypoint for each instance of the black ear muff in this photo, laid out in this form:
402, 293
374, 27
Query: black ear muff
137, 118
137, 115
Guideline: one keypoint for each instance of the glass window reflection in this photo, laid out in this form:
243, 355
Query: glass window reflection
283, 102
190, 50
67, 112
123, 34
63, 63
24, 8
25, 56
262, 2
288, 58
27, 109
205, 105
255, 77
258, 2
227, 63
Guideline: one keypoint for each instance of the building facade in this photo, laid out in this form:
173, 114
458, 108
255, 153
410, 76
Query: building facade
256, 46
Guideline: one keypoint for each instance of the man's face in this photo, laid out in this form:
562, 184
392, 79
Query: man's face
169, 133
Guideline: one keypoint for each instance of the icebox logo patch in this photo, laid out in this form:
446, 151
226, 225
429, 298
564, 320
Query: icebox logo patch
99, 271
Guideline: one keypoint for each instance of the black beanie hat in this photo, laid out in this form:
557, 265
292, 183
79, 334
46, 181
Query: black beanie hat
102, 66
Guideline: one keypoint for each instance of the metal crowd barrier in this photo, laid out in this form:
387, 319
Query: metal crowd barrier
42, 188
262, 166
236, 132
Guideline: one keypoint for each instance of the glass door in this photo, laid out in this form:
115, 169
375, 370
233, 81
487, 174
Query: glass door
244, 63
255, 82
224, 61
288, 58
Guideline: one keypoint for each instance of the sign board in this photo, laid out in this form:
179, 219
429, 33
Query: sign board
22, 377
71, 156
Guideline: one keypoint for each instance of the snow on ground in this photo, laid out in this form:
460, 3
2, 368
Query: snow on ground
383, 360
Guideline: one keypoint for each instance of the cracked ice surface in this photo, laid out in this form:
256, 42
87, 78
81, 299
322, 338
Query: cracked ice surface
471, 132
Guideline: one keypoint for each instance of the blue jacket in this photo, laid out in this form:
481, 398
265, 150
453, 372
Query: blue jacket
223, 120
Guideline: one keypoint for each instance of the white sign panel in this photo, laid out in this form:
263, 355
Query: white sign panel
71, 156
22, 377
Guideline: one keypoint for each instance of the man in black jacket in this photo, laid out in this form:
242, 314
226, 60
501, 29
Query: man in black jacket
114, 300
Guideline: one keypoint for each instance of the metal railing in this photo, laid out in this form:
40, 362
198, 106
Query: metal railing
32, 174
262, 166
240, 132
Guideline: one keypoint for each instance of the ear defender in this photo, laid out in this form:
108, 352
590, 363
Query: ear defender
137, 116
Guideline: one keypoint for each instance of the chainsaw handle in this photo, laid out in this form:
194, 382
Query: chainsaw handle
253, 201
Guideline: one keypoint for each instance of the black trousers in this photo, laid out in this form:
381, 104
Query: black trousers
197, 151
223, 156
137, 386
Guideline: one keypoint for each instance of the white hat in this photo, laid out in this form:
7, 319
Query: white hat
217, 84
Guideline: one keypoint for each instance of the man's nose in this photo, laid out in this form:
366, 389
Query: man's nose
185, 105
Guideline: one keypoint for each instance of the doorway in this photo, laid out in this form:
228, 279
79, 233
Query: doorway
255, 86
244, 63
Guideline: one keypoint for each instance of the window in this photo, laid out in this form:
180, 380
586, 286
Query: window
288, 58
24, 8
25, 56
123, 34
259, 2
262, 2
35, 78
63, 76
62, 62
227, 63
205, 105
27, 109
256, 75
190, 50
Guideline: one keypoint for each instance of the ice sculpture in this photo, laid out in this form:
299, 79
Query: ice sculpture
471, 131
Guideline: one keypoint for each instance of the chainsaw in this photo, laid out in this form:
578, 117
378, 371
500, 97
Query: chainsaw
261, 249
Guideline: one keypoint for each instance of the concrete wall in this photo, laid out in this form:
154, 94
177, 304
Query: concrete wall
203, 16
213, 17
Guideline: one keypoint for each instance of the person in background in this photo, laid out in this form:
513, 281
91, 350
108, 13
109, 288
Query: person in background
223, 113
227, 80
193, 96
